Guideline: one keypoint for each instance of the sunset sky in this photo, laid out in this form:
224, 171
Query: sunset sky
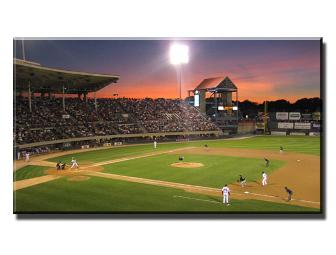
261, 69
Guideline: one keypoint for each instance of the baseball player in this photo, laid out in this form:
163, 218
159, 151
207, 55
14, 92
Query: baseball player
226, 193
264, 179
155, 144
267, 162
242, 180
27, 156
74, 163
181, 158
281, 149
58, 165
290, 193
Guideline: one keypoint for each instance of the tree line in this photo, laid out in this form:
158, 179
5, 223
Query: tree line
303, 105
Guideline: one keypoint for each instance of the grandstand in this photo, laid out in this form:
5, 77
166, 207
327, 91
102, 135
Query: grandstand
53, 111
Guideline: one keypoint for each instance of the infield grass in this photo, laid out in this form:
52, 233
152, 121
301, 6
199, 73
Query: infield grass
217, 170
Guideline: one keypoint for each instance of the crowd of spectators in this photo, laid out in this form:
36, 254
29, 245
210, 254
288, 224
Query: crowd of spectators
81, 118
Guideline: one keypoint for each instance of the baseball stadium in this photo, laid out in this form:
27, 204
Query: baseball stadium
78, 151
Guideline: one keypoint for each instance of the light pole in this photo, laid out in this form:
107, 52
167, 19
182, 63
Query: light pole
179, 54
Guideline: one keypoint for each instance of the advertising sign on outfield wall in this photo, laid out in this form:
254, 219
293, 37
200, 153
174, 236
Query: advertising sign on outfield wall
281, 115
260, 125
297, 133
316, 116
278, 133
299, 125
285, 125
306, 116
294, 116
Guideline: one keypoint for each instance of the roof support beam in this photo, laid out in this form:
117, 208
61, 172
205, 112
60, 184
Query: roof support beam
63, 98
95, 100
29, 97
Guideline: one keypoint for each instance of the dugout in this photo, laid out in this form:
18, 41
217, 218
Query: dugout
214, 97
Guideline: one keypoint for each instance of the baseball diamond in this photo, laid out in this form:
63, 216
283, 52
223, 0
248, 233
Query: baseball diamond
140, 178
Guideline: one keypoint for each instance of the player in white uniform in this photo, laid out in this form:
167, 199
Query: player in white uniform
155, 144
27, 156
226, 194
264, 178
74, 163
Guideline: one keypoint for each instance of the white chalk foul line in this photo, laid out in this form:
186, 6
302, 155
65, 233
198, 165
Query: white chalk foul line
198, 199
270, 196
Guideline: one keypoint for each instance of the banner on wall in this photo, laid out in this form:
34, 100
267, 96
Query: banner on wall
306, 116
285, 125
299, 125
281, 115
278, 133
294, 116
260, 125
316, 116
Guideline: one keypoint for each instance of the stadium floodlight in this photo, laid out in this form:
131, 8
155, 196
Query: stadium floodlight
179, 54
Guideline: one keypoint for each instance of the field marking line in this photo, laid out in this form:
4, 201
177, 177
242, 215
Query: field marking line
198, 199
305, 201
270, 196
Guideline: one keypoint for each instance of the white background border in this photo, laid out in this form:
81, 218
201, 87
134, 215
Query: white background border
97, 18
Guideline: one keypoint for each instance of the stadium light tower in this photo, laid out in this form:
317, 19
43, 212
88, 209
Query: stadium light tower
179, 54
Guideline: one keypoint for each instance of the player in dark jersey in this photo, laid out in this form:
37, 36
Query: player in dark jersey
242, 180
58, 165
267, 162
290, 193
281, 149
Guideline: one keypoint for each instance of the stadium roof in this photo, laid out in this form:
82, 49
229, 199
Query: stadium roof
217, 84
45, 79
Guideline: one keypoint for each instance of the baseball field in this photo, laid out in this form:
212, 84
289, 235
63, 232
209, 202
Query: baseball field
139, 178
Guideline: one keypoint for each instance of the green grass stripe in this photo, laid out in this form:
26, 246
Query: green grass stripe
28, 172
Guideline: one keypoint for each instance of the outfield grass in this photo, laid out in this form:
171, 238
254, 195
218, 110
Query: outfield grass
302, 144
28, 172
217, 170
106, 195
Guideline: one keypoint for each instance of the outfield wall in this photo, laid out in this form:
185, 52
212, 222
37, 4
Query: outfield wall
248, 127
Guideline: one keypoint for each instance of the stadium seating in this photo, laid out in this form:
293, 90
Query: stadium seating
48, 121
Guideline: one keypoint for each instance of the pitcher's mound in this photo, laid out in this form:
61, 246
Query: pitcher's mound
187, 164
